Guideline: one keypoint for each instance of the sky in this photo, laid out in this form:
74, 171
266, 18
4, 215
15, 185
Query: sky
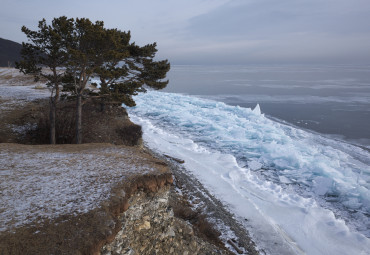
219, 31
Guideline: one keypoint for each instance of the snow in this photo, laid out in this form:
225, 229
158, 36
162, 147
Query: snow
38, 182
16, 87
254, 165
303, 193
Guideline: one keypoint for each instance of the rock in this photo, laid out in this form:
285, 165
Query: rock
128, 252
162, 200
150, 227
170, 233
145, 225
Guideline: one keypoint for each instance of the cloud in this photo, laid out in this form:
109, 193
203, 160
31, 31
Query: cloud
220, 31
268, 18
282, 31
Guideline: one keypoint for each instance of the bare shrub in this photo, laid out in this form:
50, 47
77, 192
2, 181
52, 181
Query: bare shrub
130, 134
109, 126
184, 212
182, 209
64, 126
206, 229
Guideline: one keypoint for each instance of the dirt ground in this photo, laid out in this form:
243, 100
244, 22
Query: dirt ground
58, 218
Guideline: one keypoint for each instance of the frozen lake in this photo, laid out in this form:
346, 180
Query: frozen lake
332, 100
304, 192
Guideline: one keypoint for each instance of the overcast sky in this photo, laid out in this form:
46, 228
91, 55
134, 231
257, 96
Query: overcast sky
219, 31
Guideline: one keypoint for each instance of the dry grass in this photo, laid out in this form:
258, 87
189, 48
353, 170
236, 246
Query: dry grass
81, 234
207, 230
14, 77
184, 211
202, 227
85, 232
14, 117
112, 126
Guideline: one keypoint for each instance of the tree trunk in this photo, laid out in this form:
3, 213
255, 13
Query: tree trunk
102, 104
52, 120
79, 119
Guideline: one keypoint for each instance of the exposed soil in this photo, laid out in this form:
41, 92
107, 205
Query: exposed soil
83, 233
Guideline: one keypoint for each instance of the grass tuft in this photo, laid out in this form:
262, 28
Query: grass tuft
182, 209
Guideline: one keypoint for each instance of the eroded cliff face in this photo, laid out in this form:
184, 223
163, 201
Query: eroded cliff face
125, 191
150, 227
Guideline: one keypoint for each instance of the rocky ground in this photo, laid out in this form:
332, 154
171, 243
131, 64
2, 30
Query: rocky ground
124, 199
149, 226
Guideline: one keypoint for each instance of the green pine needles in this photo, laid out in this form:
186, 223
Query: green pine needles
68, 52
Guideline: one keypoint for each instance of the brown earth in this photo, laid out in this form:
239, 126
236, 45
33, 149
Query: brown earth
84, 233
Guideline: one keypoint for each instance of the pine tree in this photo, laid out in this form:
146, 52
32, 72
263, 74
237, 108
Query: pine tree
128, 69
124, 69
71, 51
44, 56
85, 54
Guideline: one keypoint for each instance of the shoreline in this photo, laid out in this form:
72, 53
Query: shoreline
237, 237
285, 171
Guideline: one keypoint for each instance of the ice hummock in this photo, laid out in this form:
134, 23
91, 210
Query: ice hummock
257, 109
312, 192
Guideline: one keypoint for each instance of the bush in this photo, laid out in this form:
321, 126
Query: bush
130, 134
183, 210
109, 126
64, 126
206, 229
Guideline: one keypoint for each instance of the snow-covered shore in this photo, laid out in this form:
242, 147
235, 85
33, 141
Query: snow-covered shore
304, 193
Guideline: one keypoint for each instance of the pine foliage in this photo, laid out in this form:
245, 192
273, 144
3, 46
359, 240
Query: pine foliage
75, 50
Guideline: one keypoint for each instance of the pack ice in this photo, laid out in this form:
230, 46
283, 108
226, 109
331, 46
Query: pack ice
302, 193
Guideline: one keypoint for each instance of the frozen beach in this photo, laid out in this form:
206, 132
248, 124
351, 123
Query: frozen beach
301, 191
